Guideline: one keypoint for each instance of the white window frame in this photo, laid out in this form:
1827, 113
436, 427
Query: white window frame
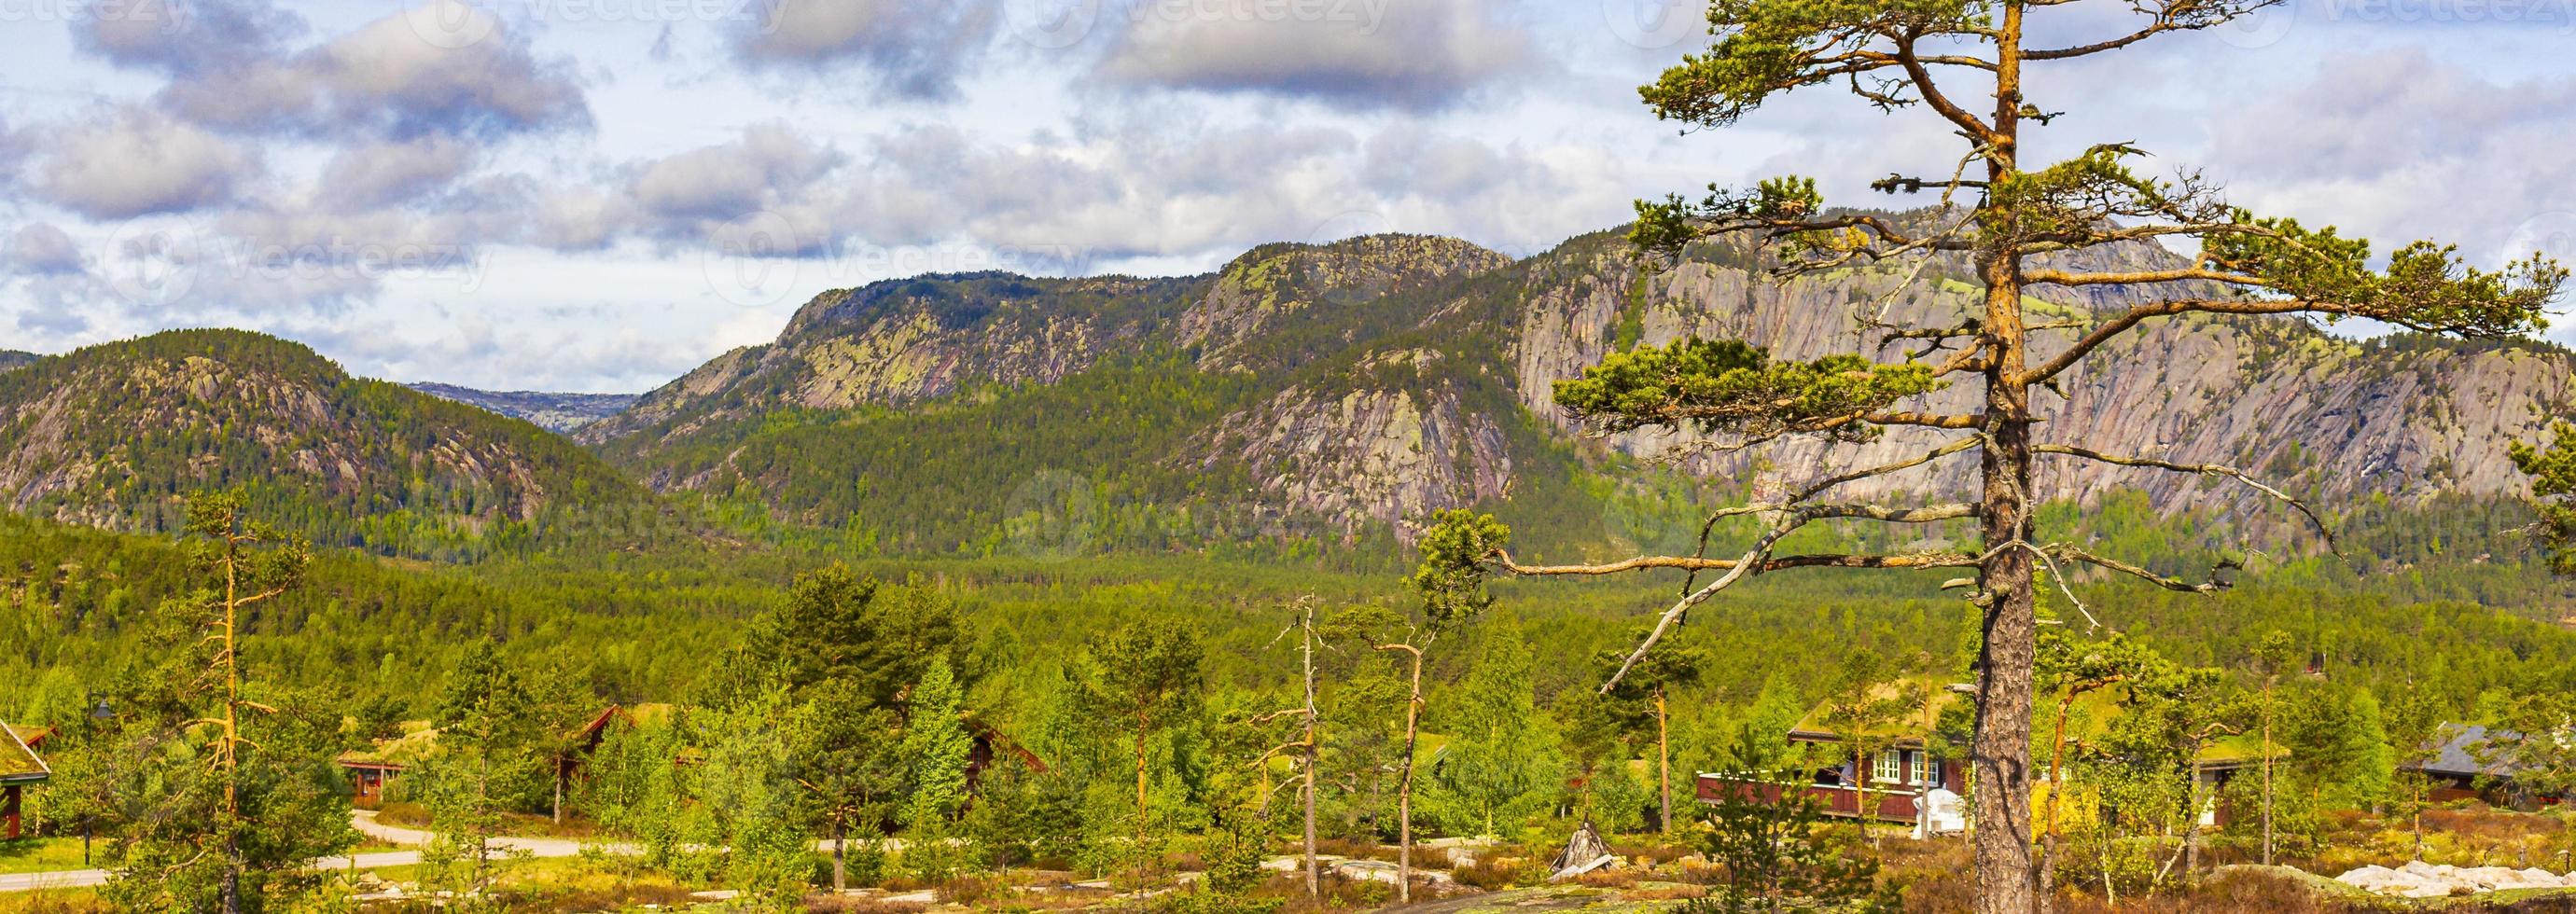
1888, 767
1927, 771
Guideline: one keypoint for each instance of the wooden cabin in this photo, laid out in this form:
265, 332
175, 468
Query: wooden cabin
1908, 777
372, 770
20, 768
2470, 762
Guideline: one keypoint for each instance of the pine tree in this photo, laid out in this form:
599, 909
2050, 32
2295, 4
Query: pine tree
2021, 228
935, 750
218, 789
1498, 764
488, 750
2553, 484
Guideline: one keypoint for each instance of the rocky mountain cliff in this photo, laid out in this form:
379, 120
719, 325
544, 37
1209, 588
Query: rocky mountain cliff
1377, 379
113, 435
10, 358
550, 411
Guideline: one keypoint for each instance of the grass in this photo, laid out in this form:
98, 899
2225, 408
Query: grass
53, 901
39, 855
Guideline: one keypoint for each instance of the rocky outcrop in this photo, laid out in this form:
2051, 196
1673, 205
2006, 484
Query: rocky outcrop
2404, 416
1382, 455
1383, 374
1335, 284
2418, 879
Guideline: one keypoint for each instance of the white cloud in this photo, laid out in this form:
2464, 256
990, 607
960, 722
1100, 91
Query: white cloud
916, 50
40, 249
133, 161
1413, 54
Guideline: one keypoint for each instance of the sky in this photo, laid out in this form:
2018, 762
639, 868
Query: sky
598, 195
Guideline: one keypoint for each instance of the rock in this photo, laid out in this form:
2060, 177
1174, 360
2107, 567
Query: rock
2487, 878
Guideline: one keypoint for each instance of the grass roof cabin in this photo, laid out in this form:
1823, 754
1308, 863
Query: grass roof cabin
1908, 764
20, 768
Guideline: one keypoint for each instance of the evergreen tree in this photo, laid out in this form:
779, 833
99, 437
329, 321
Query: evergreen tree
1499, 766
1776, 858
936, 745
216, 790
1143, 677
489, 751
2553, 484
1645, 696
935, 749
847, 769
2022, 226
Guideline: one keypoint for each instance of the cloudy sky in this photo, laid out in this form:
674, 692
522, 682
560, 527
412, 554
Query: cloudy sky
599, 194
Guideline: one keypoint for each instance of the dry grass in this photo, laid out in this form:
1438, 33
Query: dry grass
835, 904
1497, 873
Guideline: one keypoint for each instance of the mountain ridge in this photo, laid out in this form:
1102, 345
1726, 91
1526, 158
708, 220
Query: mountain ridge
561, 413
114, 435
1443, 398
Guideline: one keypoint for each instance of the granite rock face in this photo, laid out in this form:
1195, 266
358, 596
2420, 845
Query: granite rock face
1396, 375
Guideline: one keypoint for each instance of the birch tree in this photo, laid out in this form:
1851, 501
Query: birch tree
1978, 69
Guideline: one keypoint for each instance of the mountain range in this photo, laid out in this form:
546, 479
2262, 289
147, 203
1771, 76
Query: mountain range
1302, 393
550, 411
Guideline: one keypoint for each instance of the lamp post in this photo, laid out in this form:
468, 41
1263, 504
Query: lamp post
97, 712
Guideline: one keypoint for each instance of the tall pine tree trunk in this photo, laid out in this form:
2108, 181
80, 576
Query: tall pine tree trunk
1663, 762
2009, 874
1404, 791
2267, 771
2191, 824
1314, 881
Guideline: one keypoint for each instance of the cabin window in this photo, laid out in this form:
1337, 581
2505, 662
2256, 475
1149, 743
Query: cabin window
1887, 767
1928, 772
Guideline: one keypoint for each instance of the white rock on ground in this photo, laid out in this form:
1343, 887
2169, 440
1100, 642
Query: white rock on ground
2418, 879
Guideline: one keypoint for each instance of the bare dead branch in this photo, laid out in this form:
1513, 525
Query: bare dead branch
2208, 469
2213, 585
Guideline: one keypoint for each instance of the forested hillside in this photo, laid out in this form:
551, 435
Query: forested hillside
113, 435
1308, 396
